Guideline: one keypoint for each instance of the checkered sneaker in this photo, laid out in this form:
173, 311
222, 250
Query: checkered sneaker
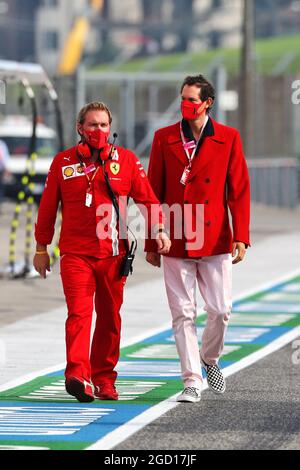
215, 378
190, 395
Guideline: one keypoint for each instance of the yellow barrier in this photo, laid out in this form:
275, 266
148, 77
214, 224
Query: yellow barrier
26, 195
74, 47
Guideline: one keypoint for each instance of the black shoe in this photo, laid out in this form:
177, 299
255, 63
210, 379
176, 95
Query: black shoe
80, 389
215, 378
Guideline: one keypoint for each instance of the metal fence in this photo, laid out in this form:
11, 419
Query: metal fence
144, 102
275, 182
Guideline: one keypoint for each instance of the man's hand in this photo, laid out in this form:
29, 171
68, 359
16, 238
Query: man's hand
241, 249
154, 259
41, 264
163, 248
163, 243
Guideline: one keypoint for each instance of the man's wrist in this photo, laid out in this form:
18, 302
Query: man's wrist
238, 241
160, 228
41, 249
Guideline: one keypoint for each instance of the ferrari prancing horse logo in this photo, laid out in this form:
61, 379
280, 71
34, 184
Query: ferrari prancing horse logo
114, 168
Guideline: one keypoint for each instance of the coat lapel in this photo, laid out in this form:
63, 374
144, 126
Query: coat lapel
175, 146
211, 146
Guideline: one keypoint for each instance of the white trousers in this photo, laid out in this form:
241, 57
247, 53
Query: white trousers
214, 277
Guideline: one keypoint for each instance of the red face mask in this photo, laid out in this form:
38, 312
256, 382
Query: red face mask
190, 111
96, 138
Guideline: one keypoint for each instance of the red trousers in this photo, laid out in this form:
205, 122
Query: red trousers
87, 282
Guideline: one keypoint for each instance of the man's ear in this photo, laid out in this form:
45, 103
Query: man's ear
210, 103
79, 129
80, 133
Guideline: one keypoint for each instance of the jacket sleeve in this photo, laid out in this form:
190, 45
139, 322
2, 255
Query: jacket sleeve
238, 195
45, 225
143, 195
156, 175
156, 170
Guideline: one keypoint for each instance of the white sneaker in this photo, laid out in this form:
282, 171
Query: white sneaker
190, 395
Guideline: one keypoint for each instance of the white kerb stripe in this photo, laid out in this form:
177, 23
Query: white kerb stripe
126, 430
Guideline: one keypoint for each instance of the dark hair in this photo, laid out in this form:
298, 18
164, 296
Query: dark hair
206, 88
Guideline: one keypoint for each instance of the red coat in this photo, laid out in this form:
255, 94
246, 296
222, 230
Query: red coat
81, 225
219, 179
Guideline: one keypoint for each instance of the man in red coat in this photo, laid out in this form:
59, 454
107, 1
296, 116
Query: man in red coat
198, 170
92, 246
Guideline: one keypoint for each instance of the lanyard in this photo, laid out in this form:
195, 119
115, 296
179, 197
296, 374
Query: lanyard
89, 195
90, 180
191, 145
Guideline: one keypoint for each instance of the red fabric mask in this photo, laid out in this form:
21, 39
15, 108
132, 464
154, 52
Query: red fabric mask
96, 138
190, 111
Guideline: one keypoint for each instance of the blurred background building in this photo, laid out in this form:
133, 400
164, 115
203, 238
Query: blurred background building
119, 30
135, 27
39, 29
133, 54
17, 29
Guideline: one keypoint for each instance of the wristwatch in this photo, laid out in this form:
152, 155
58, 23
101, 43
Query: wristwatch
162, 230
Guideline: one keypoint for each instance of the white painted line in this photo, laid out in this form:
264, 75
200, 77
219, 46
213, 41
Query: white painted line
8, 447
136, 424
123, 432
126, 430
268, 285
33, 375
260, 319
141, 337
29, 377
274, 307
261, 353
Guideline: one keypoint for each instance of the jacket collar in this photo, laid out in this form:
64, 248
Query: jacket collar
213, 130
218, 135
187, 131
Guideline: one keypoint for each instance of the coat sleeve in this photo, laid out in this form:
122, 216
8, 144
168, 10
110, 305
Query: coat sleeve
238, 196
45, 225
143, 195
156, 170
156, 175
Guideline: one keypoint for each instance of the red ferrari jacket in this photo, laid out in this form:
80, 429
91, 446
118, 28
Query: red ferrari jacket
218, 180
92, 231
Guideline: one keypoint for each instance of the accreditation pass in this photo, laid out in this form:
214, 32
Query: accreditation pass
88, 199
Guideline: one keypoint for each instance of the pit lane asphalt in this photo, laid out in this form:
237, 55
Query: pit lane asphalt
259, 411
261, 406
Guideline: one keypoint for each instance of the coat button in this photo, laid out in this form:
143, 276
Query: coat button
206, 202
186, 202
208, 224
207, 180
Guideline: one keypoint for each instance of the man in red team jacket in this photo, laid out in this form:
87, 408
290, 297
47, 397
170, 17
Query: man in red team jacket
198, 166
91, 246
